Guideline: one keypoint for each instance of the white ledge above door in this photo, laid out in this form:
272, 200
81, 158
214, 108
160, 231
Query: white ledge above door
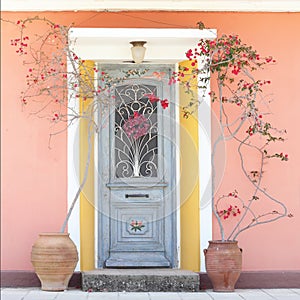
113, 44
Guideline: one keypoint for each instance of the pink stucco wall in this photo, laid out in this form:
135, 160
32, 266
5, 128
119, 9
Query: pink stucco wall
34, 178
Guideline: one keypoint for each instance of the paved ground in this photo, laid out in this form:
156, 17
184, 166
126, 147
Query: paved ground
262, 294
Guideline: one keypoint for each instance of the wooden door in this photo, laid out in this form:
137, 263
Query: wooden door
136, 165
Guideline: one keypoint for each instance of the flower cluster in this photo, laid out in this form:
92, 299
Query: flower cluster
136, 125
233, 62
231, 210
227, 212
20, 44
227, 51
164, 102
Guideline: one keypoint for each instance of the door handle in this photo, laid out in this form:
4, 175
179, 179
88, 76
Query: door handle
136, 195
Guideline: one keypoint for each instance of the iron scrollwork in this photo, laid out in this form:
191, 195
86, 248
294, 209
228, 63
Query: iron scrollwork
136, 128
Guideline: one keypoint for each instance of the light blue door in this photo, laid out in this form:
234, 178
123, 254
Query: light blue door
137, 174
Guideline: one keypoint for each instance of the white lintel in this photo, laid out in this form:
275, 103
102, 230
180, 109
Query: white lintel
113, 44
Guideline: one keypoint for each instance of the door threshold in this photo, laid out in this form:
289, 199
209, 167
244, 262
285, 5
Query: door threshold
140, 280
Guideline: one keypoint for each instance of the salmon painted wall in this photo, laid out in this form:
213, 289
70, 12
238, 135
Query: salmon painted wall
34, 178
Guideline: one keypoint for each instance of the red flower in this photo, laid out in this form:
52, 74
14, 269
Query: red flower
189, 53
269, 59
164, 103
236, 70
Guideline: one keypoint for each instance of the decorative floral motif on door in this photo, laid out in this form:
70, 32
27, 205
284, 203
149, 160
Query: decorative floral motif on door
136, 225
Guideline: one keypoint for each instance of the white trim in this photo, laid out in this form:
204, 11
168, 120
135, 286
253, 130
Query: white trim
177, 162
73, 176
93, 43
204, 134
96, 182
155, 5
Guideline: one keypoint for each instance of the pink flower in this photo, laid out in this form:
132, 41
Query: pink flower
152, 98
136, 125
172, 81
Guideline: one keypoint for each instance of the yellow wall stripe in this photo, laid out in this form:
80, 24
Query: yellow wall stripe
189, 185
87, 209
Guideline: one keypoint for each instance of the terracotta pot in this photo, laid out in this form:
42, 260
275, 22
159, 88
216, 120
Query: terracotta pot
54, 258
223, 262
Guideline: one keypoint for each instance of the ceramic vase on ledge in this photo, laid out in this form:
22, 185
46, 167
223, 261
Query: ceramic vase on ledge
223, 262
54, 257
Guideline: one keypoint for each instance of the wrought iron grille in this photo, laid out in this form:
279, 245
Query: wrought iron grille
136, 128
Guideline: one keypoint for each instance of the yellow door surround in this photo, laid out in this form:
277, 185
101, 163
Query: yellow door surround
189, 191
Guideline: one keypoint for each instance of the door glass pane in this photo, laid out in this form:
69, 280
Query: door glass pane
136, 127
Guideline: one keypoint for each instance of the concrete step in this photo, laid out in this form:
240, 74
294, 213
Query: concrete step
140, 280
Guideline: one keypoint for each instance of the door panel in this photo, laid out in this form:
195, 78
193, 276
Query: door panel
137, 228
137, 199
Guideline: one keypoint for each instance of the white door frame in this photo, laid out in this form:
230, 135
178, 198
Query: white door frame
112, 45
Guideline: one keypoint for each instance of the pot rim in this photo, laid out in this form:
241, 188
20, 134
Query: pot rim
55, 233
224, 242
